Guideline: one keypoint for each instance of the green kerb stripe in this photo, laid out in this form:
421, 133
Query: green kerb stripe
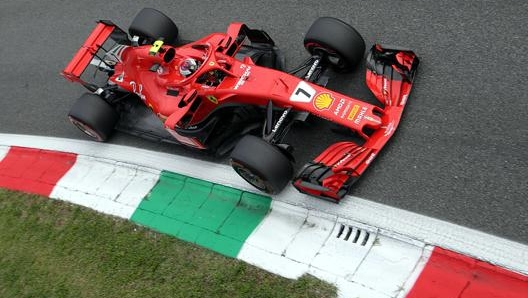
211, 215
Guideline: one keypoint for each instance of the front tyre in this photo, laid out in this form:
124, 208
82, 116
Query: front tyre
341, 45
93, 116
261, 164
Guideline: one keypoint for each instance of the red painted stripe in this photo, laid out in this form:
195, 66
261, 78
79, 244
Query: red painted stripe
451, 275
34, 170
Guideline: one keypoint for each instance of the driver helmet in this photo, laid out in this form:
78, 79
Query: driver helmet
188, 66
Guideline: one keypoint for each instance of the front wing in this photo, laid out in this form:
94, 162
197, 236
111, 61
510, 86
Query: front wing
390, 75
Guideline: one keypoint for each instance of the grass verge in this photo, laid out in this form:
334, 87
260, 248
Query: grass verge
49, 248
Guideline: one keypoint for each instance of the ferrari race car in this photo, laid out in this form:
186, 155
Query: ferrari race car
229, 92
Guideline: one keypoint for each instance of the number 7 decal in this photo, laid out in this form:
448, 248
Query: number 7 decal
303, 93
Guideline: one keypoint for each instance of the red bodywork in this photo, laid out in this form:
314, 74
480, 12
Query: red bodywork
171, 95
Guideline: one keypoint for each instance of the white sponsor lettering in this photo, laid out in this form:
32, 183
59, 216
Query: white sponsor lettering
244, 76
385, 86
281, 119
339, 106
345, 111
343, 160
360, 115
385, 91
312, 69
138, 89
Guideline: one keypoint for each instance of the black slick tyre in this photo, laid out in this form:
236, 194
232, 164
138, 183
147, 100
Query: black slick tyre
151, 25
93, 116
339, 42
261, 164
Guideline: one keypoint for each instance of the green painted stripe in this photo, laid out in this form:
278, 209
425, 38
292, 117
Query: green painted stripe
211, 215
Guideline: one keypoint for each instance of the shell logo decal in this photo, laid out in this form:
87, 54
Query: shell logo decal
323, 101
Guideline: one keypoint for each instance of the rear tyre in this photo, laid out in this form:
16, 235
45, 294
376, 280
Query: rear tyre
93, 116
339, 42
151, 24
261, 164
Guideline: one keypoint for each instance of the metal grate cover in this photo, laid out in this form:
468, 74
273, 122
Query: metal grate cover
353, 234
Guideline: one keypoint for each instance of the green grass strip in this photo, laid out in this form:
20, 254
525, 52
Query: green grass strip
211, 215
49, 248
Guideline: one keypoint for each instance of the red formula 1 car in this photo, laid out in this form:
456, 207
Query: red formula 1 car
228, 92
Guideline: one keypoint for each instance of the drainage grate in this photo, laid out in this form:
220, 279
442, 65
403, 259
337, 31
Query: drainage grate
353, 234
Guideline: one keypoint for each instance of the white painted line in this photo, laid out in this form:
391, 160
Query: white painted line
138, 187
116, 182
387, 265
292, 241
278, 228
272, 262
351, 289
396, 222
346, 288
107, 186
3, 151
94, 175
391, 221
310, 238
409, 283
343, 257
286, 241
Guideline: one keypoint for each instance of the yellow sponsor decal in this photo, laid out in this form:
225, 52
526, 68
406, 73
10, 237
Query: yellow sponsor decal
323, 101
212, 99
353, 112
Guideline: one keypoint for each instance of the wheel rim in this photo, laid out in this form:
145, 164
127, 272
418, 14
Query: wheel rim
331, 55
250, 177
333, 58
86, 129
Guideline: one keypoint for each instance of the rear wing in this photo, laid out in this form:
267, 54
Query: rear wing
90, 48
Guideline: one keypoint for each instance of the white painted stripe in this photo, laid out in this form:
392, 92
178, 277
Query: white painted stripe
292, 241
3, 151
390, 221
279, 227
272, 262
268, 243
342, 257
107, 186
311, 237
346, 288
387, 266
409, 283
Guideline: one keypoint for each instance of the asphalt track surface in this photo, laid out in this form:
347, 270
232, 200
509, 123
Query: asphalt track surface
460, 153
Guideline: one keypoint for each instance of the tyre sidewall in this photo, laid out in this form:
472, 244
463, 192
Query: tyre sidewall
265, 161
151, 24
95, 113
